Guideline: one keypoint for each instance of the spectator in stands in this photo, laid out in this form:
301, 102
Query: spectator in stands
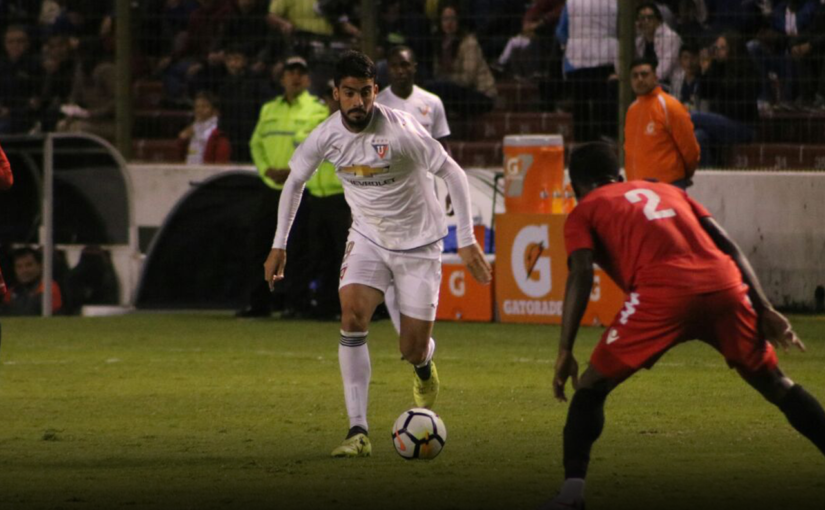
730, 84
298, 19
771, 49
25, 296
163, 25
400, 24
528, 54
19, 79
91, 103
685, 82
492, 22
657, 41
240, 99
54, 19
587, 30
313, 32
343, 15
59, 67
202, 142
808, 51
691, 19
284, 123
659, 139
181, 68
462, 78
247, 25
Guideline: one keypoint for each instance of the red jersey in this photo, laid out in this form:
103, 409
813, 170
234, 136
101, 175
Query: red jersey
647, 235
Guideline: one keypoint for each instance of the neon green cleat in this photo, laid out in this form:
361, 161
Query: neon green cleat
425, 392
356, 446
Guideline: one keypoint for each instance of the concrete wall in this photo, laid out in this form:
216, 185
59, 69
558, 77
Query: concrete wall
778, 219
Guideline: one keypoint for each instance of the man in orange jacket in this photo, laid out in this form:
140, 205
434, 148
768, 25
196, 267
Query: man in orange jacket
659, 140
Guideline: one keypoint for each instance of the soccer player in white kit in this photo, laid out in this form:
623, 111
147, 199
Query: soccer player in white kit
403, 94
386, 162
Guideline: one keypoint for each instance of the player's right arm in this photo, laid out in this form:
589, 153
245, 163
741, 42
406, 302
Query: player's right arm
576, 296
774, 326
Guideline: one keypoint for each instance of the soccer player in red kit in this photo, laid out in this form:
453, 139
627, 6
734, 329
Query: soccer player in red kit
6, 180
684, 279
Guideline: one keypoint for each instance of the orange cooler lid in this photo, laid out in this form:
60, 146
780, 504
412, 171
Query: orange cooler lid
533, 141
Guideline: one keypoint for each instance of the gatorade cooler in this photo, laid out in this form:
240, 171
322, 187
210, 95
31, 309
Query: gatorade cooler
534, 180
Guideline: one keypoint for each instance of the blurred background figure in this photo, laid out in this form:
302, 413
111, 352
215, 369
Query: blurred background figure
657, 41
90, 107
684, 84
461, 78
26, 294
730, 84
202, 142
19, 79
283, 124
587, 30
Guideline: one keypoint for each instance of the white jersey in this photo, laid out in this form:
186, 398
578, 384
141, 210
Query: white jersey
426, 107
387, 173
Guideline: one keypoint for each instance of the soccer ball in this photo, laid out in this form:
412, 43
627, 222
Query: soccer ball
419, 434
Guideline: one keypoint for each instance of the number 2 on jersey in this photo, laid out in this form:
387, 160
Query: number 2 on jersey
651, 203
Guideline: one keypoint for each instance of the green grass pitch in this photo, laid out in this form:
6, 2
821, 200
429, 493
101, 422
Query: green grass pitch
204, 411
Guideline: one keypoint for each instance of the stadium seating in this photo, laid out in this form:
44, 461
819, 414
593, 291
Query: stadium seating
785, 140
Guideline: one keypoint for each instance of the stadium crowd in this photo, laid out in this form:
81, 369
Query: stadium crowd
728, 60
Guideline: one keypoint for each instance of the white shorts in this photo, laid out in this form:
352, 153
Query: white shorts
415, 274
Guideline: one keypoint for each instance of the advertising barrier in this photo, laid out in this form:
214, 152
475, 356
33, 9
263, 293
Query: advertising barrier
531, 271
461, 297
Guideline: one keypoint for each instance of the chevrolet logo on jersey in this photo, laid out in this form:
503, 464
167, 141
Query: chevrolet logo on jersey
364, 170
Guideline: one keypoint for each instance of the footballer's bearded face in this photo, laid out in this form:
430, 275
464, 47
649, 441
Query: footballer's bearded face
357, 98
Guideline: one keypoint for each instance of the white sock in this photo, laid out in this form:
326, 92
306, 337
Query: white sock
430, 352
354, 359
572, 490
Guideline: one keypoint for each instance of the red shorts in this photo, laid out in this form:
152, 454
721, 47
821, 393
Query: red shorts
647, 327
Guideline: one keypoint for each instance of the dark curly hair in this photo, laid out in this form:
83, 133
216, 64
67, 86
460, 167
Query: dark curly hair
353, 64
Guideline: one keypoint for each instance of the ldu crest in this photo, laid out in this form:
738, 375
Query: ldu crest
381, 149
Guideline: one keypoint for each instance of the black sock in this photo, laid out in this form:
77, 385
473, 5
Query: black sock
425, 372
805, 414
585, 421
357, 430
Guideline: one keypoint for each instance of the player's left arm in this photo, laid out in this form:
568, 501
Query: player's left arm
576, 296
468, 249
682, 130
774, 326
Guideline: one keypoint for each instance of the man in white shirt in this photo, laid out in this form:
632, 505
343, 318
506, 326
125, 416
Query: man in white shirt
403, 94
427, 108
386, 162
